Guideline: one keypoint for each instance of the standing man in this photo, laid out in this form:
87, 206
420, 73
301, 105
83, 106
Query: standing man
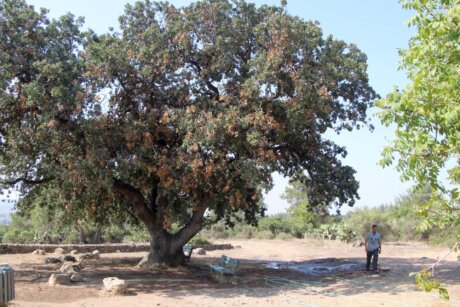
373, 246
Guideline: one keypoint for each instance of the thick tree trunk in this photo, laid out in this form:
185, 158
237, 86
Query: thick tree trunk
163, 251
165, 248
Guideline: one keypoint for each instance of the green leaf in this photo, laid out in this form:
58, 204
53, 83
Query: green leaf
443, 293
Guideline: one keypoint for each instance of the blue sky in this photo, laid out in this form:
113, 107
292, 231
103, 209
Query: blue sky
376, 27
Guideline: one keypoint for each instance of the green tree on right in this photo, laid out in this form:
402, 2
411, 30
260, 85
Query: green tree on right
426, 114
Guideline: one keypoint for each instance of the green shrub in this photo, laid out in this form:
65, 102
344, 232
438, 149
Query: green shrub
136, 234
216, 231
284, 236
244, 232
448, 237
19, 236
198, 240
265, 234
275, 224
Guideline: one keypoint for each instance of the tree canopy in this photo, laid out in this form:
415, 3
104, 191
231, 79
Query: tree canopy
184, 111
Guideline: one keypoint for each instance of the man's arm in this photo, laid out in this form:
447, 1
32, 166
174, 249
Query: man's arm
365, 243
380, 245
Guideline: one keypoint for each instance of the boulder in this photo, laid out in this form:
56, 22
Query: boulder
73, 252
114, 286
52, 260
68, 258
76, 277
38, 252
59, 279
59, 251
96, 252
357, 243
199, 251
88, 257
70, 267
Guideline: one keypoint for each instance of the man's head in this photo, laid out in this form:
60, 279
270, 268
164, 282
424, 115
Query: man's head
374, 228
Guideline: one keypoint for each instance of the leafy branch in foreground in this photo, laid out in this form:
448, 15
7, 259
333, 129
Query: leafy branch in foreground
427, 114
427, 282
427, 111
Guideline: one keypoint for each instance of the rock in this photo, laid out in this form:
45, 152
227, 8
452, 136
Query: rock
73, 252
357, 243
59, 251
38, 252
52, 260
59, 279
76, 277
114, 286
68, 258
96, 252
199, 251
88, 257
70, 267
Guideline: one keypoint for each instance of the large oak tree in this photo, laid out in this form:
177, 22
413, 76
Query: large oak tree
187, 111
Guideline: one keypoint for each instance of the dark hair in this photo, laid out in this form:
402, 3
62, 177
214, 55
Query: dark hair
374, 225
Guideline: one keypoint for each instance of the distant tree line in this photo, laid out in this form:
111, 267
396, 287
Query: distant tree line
399, 221
402, 220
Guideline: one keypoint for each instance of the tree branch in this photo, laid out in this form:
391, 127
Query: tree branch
135, 198
24, 180
211, 87
192, 227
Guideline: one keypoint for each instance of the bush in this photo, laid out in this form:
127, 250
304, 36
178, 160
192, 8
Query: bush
448, 237
198, 240
284, 236
244, 232
19, 236
265, 234
275, 224
217, 231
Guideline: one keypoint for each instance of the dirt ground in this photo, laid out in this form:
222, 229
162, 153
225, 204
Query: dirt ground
257, 285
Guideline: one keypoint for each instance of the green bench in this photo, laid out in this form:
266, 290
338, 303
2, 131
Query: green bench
187, 250
226, 267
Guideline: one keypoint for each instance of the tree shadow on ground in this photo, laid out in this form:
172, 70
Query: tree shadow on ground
252, 277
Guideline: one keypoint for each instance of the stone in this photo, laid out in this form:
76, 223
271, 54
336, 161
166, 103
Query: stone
59, 279
38, 252
199, 251
73, 252
59, 251
96, 252
357, 243
114, 286
76, 277
68, 258
70, 267
88, 257
52, 260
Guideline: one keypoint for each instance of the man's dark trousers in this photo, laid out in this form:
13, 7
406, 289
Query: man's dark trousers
375, 257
